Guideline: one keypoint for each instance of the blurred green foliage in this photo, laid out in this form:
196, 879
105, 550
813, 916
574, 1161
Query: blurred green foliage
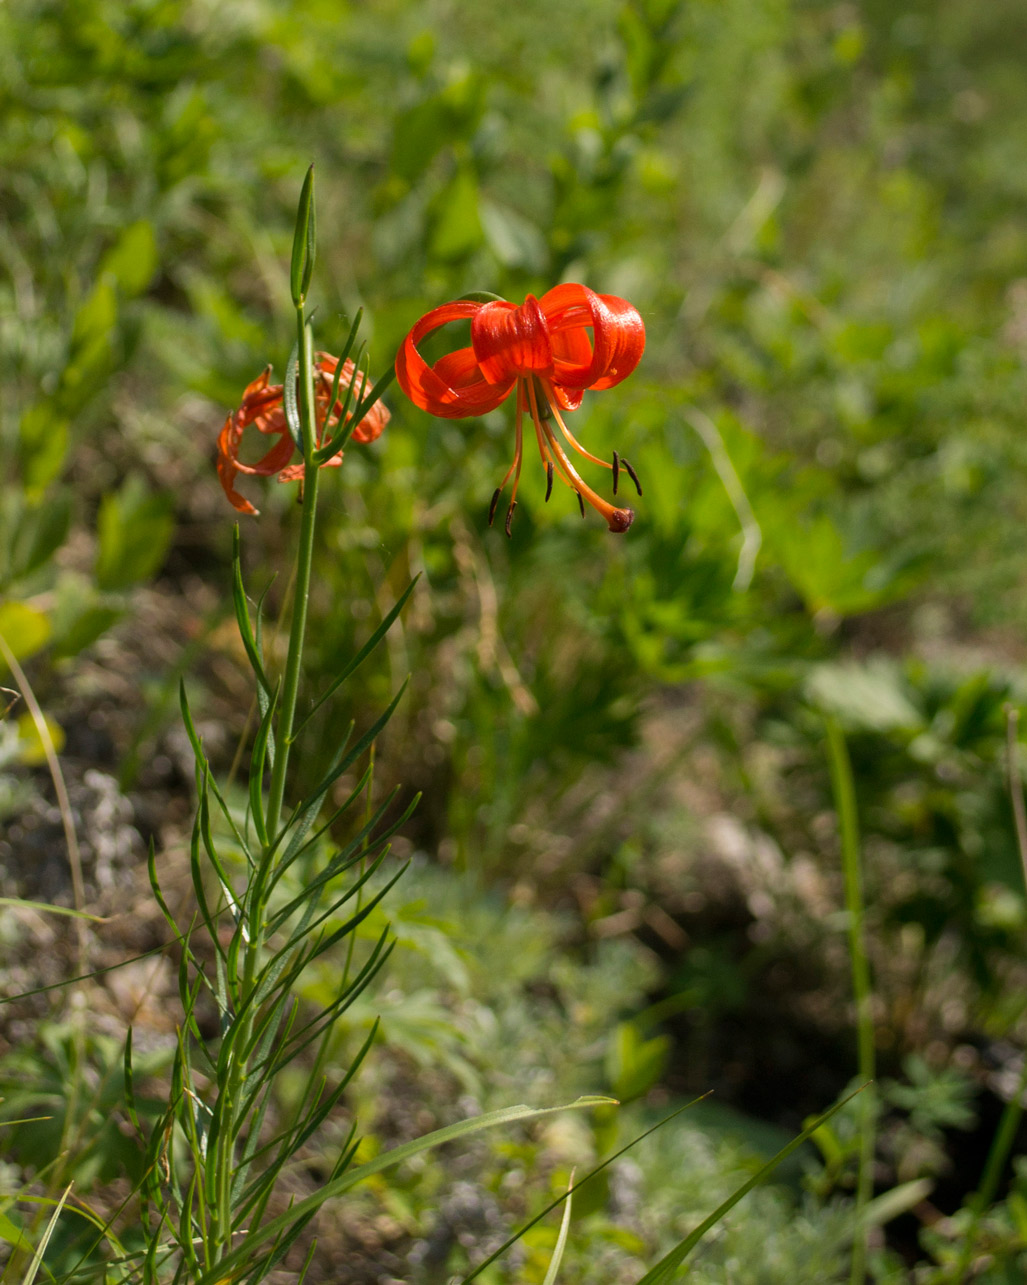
818, 209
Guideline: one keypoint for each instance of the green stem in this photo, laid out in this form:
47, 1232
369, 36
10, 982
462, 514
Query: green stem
848, 825
257, 902
1012, 1113
304, 561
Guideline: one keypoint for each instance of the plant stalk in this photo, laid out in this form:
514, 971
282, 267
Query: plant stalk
848, 825
252, 955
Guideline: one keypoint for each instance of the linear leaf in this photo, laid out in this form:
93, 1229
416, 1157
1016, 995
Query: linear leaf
561, 1240
201, 758
666, 1268
238, 1260
362, 654
242, 612
303, 241
605, 1164
290, 404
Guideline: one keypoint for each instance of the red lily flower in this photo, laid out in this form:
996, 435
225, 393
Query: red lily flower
262, 407
551, 349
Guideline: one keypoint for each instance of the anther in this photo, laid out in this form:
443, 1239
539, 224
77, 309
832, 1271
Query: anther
581, 503
495, 502
549, 480
616, 471
509, 518
633, 475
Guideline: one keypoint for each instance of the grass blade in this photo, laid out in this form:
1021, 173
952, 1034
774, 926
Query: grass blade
237, 1261
666, 1268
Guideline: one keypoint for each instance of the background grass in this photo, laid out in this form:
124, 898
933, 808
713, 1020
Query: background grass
819, 210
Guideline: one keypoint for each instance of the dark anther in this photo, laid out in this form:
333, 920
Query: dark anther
616, 471
509, 518
549, 480
633, 475
492, 506
581, 503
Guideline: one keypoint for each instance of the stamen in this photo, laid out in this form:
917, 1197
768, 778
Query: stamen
509, 518
555, 412
495, 500
553, 454
633, 475
581, 503
549, 480
541, 398
616, 471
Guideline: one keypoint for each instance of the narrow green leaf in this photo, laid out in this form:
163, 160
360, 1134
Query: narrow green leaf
309, 815
201, 758
335, 867
44, 1240
356, 920
308, 267
563, 1196
561, 1240
362, 654
376, 393
314, 1029
209, 920
130, 1097
240, 1258
257, 761
303, 241
346, 423
290, 402
44, 907
242, 612
363, 744
666, 1268
343, 356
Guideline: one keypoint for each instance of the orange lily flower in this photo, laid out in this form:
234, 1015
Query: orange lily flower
549, 349
262, 407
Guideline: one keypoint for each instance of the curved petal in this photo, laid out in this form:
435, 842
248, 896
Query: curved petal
618, 336
509, 342
429, 387
277, 457
567, 398
228, 447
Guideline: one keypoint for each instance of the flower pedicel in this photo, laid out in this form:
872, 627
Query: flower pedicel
544, 350
262, 407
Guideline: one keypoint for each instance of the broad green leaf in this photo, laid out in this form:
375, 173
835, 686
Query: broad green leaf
132, 260
31, 748
13, 1235
456, 230
24, 629
84, 629
135, 529
42, 445
40, 531
514, 241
